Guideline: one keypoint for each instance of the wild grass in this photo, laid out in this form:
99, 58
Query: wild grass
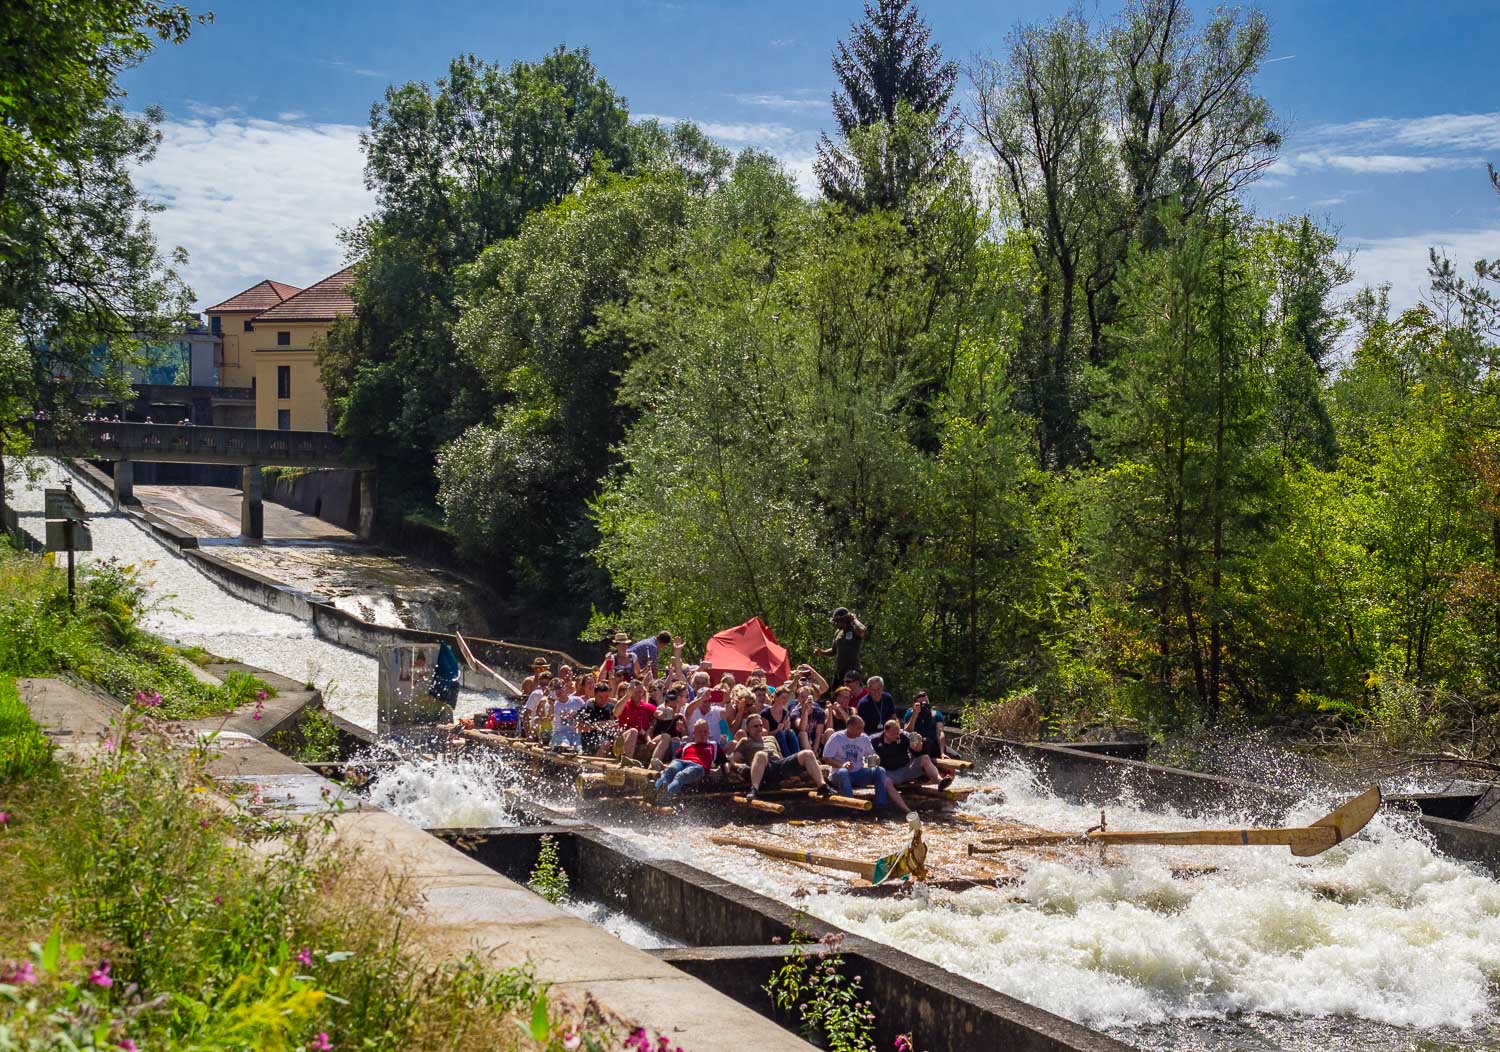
141, 912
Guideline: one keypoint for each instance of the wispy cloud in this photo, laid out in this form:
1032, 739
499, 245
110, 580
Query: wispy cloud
1375, 163
802, 99
1439, 131
1401, 261
348, 67
252, 199
291, 115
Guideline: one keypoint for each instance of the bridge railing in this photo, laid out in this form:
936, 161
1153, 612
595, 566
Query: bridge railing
192, 444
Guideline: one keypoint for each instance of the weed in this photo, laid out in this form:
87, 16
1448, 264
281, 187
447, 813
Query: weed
548, 878
829, 1006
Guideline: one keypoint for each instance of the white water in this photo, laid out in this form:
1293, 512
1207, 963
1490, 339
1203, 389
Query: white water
191, 609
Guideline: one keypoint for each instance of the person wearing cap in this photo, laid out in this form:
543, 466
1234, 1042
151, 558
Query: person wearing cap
928, 722
662, 732
760, 757
903, 757
849, 750
847, 642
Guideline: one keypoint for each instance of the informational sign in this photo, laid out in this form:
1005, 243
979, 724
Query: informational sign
58, 540
64, 504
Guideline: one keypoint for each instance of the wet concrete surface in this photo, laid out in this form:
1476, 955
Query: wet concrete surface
319, 559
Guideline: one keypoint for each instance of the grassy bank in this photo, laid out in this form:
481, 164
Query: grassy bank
141, 913
101, 640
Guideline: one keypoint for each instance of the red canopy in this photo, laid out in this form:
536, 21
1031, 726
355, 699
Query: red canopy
746, 647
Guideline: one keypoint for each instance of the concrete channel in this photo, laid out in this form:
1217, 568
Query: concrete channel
735, 938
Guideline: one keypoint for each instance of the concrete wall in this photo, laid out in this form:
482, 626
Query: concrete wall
331, 494
236, 350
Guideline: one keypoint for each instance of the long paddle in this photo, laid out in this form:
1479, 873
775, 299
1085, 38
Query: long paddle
1333, 828
908, 862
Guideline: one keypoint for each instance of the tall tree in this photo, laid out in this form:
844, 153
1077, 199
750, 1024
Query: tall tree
79, 267
1094, 131
455, 168
889, 71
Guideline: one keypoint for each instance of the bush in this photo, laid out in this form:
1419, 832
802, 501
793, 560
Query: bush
24, 749
100, 642
157, 918
548, 878
315, 739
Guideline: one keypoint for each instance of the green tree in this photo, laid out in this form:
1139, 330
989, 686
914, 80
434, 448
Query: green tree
889, 72
1179, 421
455, 169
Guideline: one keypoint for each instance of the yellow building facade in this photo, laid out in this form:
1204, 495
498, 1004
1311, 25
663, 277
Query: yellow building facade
269, 337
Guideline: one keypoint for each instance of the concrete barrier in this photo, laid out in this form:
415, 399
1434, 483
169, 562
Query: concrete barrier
729, 932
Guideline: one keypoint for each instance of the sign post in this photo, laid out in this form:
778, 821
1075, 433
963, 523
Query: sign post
66, 529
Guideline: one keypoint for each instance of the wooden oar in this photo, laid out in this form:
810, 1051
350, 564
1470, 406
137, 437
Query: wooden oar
906, 862
1333, 828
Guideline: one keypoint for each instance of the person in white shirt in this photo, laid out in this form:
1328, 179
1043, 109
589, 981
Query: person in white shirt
847, 750
565, 722
535, 706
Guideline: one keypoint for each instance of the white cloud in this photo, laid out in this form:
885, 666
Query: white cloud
291, 115
1377, 163
793, 147
1439, 131
804, 99
252, 199
1402, 260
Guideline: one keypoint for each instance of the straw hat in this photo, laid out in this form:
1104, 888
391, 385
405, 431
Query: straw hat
539, 662
621, 637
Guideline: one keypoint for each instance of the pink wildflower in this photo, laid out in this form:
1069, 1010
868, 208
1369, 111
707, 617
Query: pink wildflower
572, 1041
4, 818
109, 744
320, 1043
304, 957
100, 976
260, 695
23, 974
127, 1045
903, 1043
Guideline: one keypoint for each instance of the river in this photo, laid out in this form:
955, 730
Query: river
1380, 943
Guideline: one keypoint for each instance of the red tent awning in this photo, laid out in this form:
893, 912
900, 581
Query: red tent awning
746, 647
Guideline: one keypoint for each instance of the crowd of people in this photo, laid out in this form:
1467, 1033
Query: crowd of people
646, 704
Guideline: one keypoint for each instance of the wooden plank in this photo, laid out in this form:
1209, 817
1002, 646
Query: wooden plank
761, 805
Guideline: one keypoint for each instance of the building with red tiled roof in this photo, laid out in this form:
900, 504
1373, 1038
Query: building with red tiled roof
232, 321
256, 298
325, 301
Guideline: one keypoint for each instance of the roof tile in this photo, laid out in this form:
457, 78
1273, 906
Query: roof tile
256, 298
326, 300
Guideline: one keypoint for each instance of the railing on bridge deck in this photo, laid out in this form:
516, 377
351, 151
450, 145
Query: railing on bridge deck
193, 444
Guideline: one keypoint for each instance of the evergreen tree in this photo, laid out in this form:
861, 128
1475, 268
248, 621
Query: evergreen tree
889, 72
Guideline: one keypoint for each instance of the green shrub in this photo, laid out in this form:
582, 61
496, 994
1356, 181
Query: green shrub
830, 1006
315, 739
548, 878
155, 917
24, 749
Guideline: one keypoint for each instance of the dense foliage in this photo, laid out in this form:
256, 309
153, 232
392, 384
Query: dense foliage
1071, 426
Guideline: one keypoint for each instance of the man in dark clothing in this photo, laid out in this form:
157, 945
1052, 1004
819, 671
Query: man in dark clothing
928, 722
877, 705
847, 642
597, 722
903, 756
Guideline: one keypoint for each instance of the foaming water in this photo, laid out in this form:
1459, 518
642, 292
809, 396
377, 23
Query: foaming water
1380, 930
621, 925
438, 793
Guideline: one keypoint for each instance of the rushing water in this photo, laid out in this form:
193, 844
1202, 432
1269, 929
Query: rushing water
1378, 943
191, 609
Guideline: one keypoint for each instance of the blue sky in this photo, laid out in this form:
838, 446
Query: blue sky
1389, 107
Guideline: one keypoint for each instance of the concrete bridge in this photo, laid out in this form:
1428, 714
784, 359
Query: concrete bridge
248, 448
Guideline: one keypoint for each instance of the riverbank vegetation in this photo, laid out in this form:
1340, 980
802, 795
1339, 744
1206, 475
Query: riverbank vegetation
101, 640
160, 916
1028, 384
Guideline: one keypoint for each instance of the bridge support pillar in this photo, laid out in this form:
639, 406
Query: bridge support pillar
366, 505
124, 483
252, 508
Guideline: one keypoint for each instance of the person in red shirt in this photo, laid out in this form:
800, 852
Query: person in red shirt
698, 757
634, 714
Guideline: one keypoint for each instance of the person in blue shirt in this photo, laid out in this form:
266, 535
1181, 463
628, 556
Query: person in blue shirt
926, 721
648, 651
878, 704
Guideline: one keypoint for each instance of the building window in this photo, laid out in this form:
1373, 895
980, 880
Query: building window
249, 325
283, 420
283, 381
283, 339
214, 326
